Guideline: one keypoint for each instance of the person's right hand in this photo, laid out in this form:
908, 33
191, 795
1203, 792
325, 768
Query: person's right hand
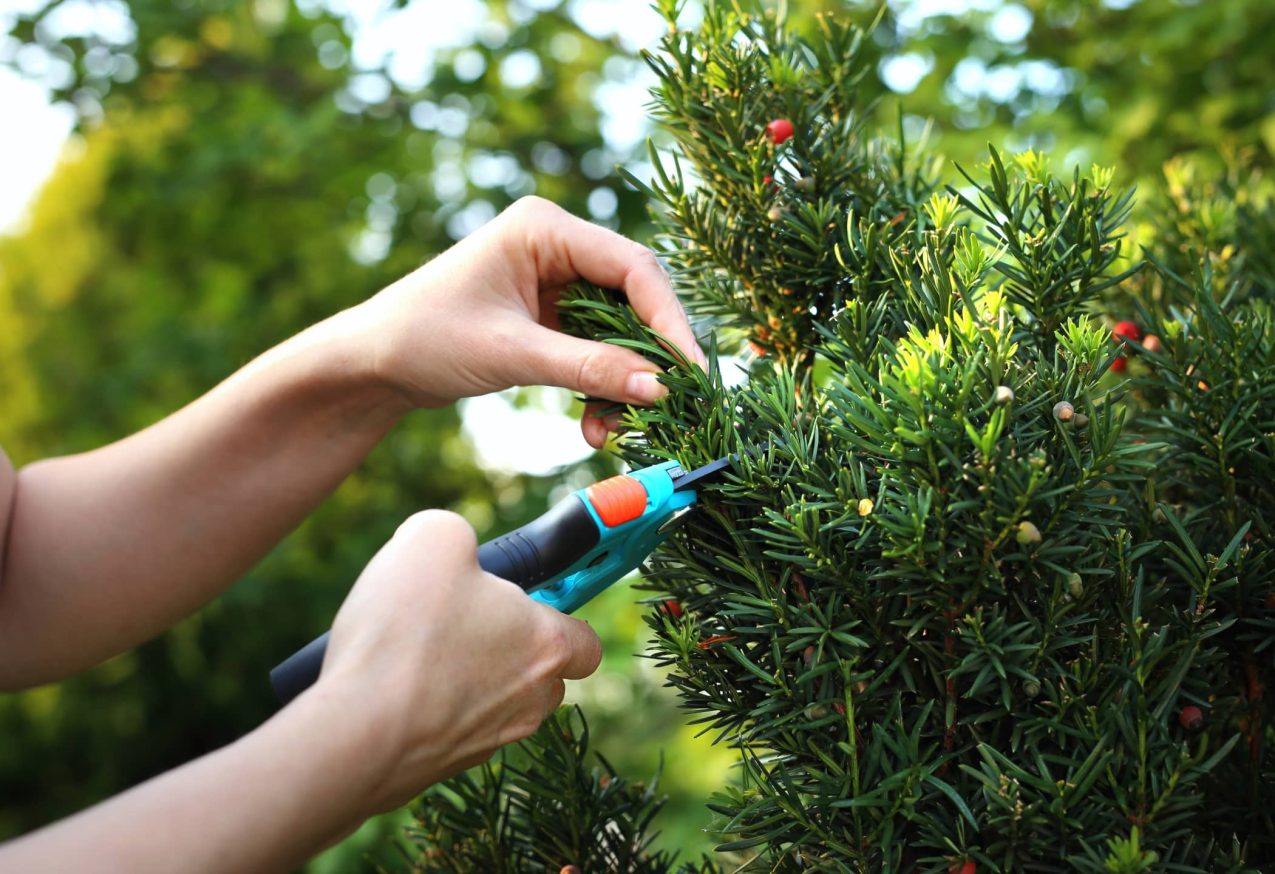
442, 662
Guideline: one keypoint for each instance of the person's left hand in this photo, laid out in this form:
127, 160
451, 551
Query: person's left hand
482, 316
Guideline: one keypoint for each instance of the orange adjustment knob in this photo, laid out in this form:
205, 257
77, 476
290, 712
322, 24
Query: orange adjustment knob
617, 500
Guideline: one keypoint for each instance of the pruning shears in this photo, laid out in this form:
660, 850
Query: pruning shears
571, 553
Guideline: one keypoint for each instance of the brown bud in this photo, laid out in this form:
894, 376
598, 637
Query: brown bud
1064, 411
799, 587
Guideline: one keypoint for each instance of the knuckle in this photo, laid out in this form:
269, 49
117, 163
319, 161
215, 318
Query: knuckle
438, 526
520, 728
593, 374
532, 205
554, 645
647, 260
553, 638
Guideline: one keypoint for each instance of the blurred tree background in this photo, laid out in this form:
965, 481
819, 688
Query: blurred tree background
242, 169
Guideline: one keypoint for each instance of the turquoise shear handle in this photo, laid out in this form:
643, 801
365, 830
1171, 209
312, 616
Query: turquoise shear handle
627, 535
584, 543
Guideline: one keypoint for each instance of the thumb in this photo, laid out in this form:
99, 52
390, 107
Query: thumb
598, 370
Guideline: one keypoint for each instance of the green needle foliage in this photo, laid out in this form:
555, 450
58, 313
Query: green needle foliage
543, 807
978, 593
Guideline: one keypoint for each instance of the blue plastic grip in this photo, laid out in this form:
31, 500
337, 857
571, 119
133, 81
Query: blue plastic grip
622, 548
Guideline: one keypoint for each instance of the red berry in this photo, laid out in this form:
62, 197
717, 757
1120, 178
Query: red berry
671, 608
1191, 718
1120, 364
1126, 331
780, 130
1152, 344
965, 867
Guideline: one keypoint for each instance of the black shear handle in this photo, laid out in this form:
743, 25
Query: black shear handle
530, 555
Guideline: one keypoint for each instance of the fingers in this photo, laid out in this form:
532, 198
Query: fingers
595, 428
595, 369
567, 248
571, 646
578, 645
557, 692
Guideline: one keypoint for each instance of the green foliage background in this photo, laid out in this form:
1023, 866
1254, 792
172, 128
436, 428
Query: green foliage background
235, 178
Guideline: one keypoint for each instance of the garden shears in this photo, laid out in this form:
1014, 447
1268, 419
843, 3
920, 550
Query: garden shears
567, 556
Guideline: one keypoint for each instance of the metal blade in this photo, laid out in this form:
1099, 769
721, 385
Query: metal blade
684, 480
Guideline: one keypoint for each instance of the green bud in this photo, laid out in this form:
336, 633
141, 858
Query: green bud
1031, 688
1075, 586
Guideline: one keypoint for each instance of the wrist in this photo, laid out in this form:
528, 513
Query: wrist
343, 743
338, 362
400, 347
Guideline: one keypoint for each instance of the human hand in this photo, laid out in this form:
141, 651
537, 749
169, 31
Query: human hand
482, 316
442, 663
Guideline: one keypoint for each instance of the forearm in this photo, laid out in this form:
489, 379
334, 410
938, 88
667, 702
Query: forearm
265, 803
107, 548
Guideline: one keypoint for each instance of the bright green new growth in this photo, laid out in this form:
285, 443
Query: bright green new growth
963, 579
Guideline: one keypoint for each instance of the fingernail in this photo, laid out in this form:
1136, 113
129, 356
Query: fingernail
701, 358
644, 387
